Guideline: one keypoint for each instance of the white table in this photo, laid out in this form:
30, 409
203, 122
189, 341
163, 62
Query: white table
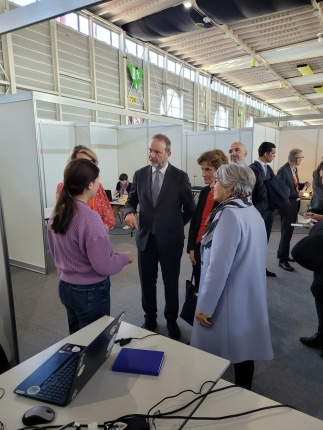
236, 400
109, 395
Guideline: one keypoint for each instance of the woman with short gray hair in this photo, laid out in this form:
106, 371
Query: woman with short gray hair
231, 318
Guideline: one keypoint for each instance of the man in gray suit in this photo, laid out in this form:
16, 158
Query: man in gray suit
288, 173
166, 205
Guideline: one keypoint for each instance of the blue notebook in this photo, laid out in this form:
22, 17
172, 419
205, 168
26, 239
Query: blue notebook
140, 361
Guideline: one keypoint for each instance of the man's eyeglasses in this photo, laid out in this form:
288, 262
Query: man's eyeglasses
299, 158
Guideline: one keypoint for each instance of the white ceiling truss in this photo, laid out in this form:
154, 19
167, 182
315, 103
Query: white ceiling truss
258, 55
277, 42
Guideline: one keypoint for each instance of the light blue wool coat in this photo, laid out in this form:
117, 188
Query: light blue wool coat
233, 289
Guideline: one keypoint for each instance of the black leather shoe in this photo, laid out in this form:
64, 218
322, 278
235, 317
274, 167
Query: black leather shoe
286, 266
291, 260
149, 325
315, 341
173, 330
271, 274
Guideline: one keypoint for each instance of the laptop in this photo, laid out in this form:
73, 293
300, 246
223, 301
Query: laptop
109, 195
59, 379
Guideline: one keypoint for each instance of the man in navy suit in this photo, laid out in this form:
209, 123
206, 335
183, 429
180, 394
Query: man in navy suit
288, 173
164, 210
266, 152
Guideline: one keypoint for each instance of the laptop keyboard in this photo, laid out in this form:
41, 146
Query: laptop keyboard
57, 385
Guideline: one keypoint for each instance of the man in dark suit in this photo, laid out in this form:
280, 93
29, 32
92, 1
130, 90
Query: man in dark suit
288, 173
266, 152
164, 195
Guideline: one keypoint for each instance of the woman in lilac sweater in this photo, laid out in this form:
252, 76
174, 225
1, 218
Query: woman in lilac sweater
81, 248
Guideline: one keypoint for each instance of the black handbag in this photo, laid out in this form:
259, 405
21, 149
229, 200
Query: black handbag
189, 306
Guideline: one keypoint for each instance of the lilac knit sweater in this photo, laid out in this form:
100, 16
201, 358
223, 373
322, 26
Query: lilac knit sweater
84, 255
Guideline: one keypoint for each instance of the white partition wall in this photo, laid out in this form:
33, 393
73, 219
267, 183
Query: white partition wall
8, 335
56, 140
20, 172
104, 142
133, 141
306, 139
197, 143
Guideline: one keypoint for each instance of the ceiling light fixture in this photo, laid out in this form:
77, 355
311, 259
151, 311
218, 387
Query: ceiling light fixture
187, 4
304, 69
318, 88
206, 19
253, 63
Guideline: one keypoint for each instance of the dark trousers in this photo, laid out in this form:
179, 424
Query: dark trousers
197, 265
268, 217
288, 216
317, 291
170, 262
243, 373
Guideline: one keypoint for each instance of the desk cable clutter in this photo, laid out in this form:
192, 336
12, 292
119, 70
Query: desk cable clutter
140, 421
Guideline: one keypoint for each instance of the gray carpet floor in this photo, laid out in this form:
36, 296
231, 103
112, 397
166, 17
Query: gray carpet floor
294, 377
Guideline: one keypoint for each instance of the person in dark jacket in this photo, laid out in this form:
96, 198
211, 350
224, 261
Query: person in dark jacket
209, 161
316, 341
316, 203
266, 152
166, 205
288, 173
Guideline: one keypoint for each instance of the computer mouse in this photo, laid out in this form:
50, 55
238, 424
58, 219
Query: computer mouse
38, 415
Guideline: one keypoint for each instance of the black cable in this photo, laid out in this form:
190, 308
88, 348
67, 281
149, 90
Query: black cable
200, 418
125, 340
184, 391
2, 392
202, 396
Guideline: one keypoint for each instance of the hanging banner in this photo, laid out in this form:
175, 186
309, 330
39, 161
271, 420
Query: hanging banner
136, 75
240, 111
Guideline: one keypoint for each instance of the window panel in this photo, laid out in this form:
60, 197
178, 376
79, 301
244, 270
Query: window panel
178, 68
171, 66
84, 25
71, 20
161, 61
131, 47
115, 39
153, 57
140, 51
101, 33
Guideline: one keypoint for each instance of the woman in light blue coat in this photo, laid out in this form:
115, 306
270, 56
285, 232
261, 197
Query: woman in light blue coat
232, 314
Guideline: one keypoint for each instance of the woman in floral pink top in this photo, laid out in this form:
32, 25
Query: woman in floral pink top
100, 203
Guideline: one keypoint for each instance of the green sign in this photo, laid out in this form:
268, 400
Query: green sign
136, 75
240, 111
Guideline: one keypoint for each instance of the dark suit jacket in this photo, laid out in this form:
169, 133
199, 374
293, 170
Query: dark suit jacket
196, 218
174, 207
285, 174
259, 192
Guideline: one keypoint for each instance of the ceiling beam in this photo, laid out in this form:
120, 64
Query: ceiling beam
44, 10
